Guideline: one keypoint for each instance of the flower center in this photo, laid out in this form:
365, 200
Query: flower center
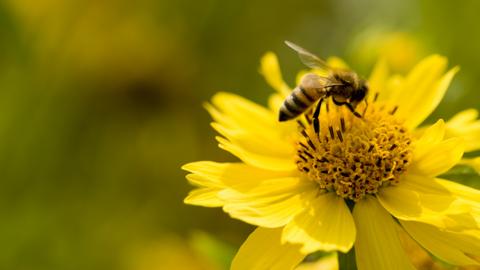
354, 156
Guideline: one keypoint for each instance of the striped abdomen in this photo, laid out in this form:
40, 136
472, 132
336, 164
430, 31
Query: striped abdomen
298, 102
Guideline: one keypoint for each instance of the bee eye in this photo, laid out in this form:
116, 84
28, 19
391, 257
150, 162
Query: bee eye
360, 93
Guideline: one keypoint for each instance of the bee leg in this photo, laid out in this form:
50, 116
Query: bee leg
366, 107
316, 113
350, 107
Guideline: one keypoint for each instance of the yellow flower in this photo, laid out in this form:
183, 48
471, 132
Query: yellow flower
356, 183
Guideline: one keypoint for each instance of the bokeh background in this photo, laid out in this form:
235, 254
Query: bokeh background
101, 104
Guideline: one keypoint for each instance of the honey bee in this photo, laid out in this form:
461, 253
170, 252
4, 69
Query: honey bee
344, 86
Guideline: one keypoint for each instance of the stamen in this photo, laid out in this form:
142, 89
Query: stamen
370, 148
311, 144
307, 117
375, 97
304, 133
394, 110
308, 154
301, 124
342, 123
316, 125
339, 134
303, 145
332, 135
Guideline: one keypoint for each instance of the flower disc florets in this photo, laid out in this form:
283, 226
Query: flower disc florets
354, 156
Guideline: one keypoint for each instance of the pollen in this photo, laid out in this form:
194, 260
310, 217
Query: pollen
352, 156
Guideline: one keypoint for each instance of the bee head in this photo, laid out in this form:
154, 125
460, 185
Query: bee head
360, 93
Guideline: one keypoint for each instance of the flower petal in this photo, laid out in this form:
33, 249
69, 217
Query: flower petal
325, 224
453, 248
229, 175
377, 245
431, 136
378, 79
252, 132
260, 197
468, 195
257, 144
214, 177
263, 250
464, 192
423, 89
439, 159
270, 69
207, 197
421, 198
465, 125
236, 113
271, 204
258, 160
432, 156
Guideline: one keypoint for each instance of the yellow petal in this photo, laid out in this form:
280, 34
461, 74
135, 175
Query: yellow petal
275, 102
423, 89
272, 203
325, 224
394, 85
252, 132
453, 248
229, 175
244, 113
468, 195
215, 177
258, 160
270, 69
378, 79
439, 158
421, 198
233, 110
465, 192
433, 156
465, 116
257, 196
431, 136
377, 245
207, 197
260, 144
465, 125
263, 250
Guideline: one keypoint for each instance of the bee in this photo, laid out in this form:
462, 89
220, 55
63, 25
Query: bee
345, 88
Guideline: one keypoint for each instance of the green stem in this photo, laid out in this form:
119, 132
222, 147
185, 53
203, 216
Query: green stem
346, 261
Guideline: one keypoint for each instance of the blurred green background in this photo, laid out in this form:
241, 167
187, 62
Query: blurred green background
101, 103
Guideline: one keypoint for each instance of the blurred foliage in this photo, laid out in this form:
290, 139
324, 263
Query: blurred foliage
100, 105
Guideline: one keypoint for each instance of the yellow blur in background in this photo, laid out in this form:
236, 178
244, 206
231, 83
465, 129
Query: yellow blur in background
101, 103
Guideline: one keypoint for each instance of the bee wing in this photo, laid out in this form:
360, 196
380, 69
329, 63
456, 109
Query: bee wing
308, 58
